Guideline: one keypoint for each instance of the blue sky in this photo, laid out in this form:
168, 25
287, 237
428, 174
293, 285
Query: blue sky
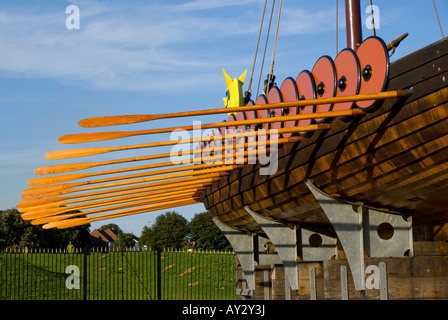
155, 57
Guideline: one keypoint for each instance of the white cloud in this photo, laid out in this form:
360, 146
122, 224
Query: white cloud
17, 159
304, 21
118, 47
200, 5
140, 47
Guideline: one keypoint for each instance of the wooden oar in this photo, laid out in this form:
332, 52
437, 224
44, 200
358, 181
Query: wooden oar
238, 157
107, 205
159, 184
40, 221
61, 168
101, 136
73, 153
127, 205
29, 212
149, 208
128, 119
80, 221
69, 222
40, 204
75, 176
110, 193
57, 187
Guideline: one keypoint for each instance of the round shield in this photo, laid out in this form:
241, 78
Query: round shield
275, 96
240, 128
307, 91
289, 93
250, 115
324, 73
214, 145
230, 130
262, 114
230, 119
240, 116
198, 154
223, 131
374, 64
349, 76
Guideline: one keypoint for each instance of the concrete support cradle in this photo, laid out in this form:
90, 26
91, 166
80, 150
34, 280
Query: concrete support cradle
243, 245
284, 239
317, 243
358, 229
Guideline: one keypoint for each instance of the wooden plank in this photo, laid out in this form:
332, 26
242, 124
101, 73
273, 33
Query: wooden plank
440, 229
429, 266
418, 58
278, 282
423, 276
304, 276
429, 248
422, 233
260, 283
265, 194
429, 70
430, 288
299, 170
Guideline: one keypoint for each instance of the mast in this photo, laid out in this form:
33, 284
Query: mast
353, 23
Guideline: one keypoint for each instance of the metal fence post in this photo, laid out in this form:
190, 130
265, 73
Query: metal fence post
159, 275
122, 272
85, 273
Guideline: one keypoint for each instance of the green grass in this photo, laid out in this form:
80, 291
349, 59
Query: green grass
118, 275
36, 276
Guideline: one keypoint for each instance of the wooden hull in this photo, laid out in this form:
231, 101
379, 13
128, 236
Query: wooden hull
395, 158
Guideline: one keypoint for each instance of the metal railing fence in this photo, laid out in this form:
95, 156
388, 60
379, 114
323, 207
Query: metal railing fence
99, 274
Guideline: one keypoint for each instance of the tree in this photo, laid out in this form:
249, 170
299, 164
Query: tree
15, 231
168, 231
125, 240
13, 228
145, 237
206, 234
114, 227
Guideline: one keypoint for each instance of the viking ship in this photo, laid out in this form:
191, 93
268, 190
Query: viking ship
356, 130
392, 157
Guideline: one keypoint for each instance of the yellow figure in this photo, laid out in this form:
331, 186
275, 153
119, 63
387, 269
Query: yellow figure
234, 94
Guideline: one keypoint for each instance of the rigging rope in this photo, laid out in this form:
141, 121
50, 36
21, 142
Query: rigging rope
371, 14
265, 46
248, 92
271, 72
437, 15
337, 23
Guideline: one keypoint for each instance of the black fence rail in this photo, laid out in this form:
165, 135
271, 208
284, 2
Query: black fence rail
53, 274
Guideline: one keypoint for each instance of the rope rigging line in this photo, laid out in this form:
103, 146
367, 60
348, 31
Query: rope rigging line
373, 20
265, 47
271, 72
438, 20
337, 24
249, 92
